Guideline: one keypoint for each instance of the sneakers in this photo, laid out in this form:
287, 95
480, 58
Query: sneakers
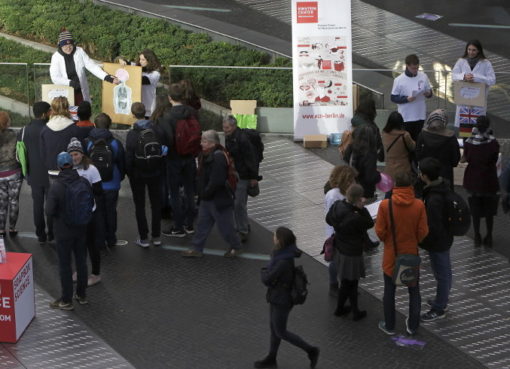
432, 315
382, 327
189, 229
142, 243
409, 330
192, 253
59, 304
431, 302
81, 300
120, 243
313, 355
93, 280
156, 241
232, 253
174, 232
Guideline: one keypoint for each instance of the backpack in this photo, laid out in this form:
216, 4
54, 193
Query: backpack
79, 202
232, 176
101, 155
345, 141
148, 152
457, 214
187, 136
255, 139
299, 290
329, 248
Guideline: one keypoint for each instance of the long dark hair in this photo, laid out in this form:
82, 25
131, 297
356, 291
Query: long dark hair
476, 44
162, 104
152, 60
366, 107
285, 237
395, 121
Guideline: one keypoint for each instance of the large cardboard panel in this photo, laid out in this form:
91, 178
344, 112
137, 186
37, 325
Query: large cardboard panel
49, 92
470, 93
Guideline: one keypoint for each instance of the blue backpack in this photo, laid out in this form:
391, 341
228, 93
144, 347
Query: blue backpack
79, 202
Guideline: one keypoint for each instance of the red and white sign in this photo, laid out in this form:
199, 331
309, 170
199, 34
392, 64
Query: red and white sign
17, 302
322, 66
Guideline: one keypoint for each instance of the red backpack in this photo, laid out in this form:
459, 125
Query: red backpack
232, 176
187, 136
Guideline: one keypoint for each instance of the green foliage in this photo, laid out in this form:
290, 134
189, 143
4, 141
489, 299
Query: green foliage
105, 33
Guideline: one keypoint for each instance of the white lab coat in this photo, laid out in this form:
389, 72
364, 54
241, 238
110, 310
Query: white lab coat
482, 72
149, 92
58, 71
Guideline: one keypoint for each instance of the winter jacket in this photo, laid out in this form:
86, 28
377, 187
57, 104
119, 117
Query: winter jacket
131, 144
8, 150
397, 157
55, 205
238, 144
119, 158
351, 225
481, 173
168, 124
82, 61
410, 225
37, 172
55, 137
366, 165
279, 274
439, 237
443, 146
212, 177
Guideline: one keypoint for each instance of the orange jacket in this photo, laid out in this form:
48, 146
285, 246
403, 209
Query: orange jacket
410, 225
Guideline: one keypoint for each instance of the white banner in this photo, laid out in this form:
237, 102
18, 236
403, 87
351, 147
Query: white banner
322, 66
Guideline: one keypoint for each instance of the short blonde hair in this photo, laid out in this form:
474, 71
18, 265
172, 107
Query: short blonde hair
5, 119
60, 106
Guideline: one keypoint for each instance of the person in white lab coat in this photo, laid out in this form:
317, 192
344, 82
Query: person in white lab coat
472, 67
68, 66
150, 78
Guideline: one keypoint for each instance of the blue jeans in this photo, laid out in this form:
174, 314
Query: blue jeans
241, 206
224, 219
389, 304
182, 172
442, 269
66, 247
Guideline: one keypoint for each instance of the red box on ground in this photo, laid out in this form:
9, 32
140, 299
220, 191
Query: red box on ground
17, 299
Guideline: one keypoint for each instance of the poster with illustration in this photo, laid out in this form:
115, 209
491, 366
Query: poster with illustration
117, 99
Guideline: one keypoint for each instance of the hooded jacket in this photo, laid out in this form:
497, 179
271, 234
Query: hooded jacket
279, 274
55, 205
350, 224
168, 125
37, 173
212, 177
439, 237
55, 137
410, 225
119, 158
132, 142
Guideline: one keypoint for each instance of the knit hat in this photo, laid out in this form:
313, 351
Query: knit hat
65, 38
436, 121
64, 159
74, 145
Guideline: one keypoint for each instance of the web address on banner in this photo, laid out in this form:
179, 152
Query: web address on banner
323, 116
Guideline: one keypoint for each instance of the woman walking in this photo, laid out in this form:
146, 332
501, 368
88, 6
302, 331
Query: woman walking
481, 152
278, 277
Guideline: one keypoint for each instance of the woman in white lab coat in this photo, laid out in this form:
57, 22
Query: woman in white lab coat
68, 66
473, 67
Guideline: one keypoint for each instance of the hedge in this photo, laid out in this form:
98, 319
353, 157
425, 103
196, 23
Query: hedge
105, 33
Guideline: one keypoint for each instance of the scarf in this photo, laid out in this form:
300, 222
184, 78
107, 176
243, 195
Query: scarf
436, 121
289, 252
478, 138
472, 62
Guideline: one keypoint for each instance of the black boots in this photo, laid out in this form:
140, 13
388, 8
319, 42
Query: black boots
313, 355
268, 362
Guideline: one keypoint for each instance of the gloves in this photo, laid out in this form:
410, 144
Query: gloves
109, 78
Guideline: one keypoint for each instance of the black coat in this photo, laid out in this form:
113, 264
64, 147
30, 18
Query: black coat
351, 225
278, 276
131, 144
366, 165
443, 146
439, 237
55, 205
212, 177
240, 147
37, 171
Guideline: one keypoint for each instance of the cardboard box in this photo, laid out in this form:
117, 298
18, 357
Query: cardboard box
243, 106
315, 141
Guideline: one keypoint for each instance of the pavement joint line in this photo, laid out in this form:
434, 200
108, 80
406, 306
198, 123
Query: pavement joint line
215, 252
198, 8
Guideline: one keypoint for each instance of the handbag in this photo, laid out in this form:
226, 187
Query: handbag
21, 154
329, 248
407, 266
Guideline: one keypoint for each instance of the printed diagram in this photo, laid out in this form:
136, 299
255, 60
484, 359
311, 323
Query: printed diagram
321, 75
122, 93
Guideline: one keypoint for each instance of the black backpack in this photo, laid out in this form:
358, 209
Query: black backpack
79, 202
148, 152
101, 155
299, 289
255, 139
457, 213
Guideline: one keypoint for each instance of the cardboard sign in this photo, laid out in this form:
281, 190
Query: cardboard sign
470, 93
243, 106
49, 92
117, 99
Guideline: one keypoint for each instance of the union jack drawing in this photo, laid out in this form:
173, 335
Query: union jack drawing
468, 114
